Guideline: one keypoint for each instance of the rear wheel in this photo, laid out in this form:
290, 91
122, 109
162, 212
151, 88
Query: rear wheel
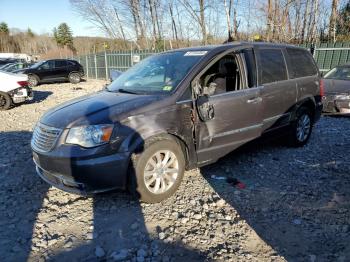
33, 80
156, 173
301, 128
5, 101
74, 78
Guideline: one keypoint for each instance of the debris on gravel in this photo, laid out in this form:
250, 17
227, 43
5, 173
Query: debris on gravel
295, 205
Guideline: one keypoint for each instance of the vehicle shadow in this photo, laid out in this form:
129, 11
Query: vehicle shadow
293, 216
295, 211
121, 233
119, 226
116, 228
29, 209
340, 116
40, 96
21, 196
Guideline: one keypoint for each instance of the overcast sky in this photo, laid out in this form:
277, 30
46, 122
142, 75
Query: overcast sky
43, 15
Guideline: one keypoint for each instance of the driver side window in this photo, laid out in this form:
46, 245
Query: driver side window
48, 65
223, 76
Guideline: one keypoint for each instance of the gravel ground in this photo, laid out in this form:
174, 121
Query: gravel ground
295, 207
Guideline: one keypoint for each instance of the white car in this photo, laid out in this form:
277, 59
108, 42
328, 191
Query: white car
13, 89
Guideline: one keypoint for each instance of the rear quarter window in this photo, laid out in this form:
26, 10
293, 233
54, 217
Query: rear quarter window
60, 63
301, 62
71, 63
272, 66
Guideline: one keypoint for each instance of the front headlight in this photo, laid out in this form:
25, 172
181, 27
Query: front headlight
342, 97
90, 136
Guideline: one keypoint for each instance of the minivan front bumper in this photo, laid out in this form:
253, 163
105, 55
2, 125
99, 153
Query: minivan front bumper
86, 176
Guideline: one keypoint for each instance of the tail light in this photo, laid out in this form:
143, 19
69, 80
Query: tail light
22, 83
321, 88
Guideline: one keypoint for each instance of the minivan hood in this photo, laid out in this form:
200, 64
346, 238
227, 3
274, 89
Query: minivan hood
98, 108
336, 86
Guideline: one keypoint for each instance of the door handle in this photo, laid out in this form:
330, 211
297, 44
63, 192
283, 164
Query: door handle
254, 100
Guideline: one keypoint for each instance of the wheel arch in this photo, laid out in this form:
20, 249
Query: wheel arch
308, 103
74, 72
137, 144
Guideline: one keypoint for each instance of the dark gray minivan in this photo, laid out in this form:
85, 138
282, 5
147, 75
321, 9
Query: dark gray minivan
176, 111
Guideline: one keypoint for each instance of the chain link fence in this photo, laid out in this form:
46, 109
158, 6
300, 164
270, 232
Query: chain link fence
98, 66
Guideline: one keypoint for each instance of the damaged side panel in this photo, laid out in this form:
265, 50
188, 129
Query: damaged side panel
173, 120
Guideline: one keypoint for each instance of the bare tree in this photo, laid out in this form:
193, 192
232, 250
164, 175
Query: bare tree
197, 15
95, 12
297, 19
153, 9
305, 19
333, 21
232, 29
152, 23
173, 21
269, 20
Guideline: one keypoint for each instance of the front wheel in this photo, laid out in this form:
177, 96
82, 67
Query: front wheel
5, 101
74, 78
157, 172
301, 128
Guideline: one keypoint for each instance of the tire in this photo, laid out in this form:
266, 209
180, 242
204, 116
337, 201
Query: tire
5, 101
74, 78
301, 128
33, 80
158, 184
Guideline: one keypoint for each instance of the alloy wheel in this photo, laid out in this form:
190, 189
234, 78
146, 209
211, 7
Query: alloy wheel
32, 81
161, 171
74, 78
303, 127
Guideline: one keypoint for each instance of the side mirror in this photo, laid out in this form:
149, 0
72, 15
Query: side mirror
204, 108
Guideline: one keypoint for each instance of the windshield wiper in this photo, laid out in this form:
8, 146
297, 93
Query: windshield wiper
121, 90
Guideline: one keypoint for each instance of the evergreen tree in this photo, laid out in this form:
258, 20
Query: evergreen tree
4, 28
30, 32
55, 36
63, 36
343, 26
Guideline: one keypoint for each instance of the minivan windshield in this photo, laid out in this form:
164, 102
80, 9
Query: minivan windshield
341, 73
157, 74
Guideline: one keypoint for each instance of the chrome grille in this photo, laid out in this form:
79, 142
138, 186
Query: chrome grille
44, 137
